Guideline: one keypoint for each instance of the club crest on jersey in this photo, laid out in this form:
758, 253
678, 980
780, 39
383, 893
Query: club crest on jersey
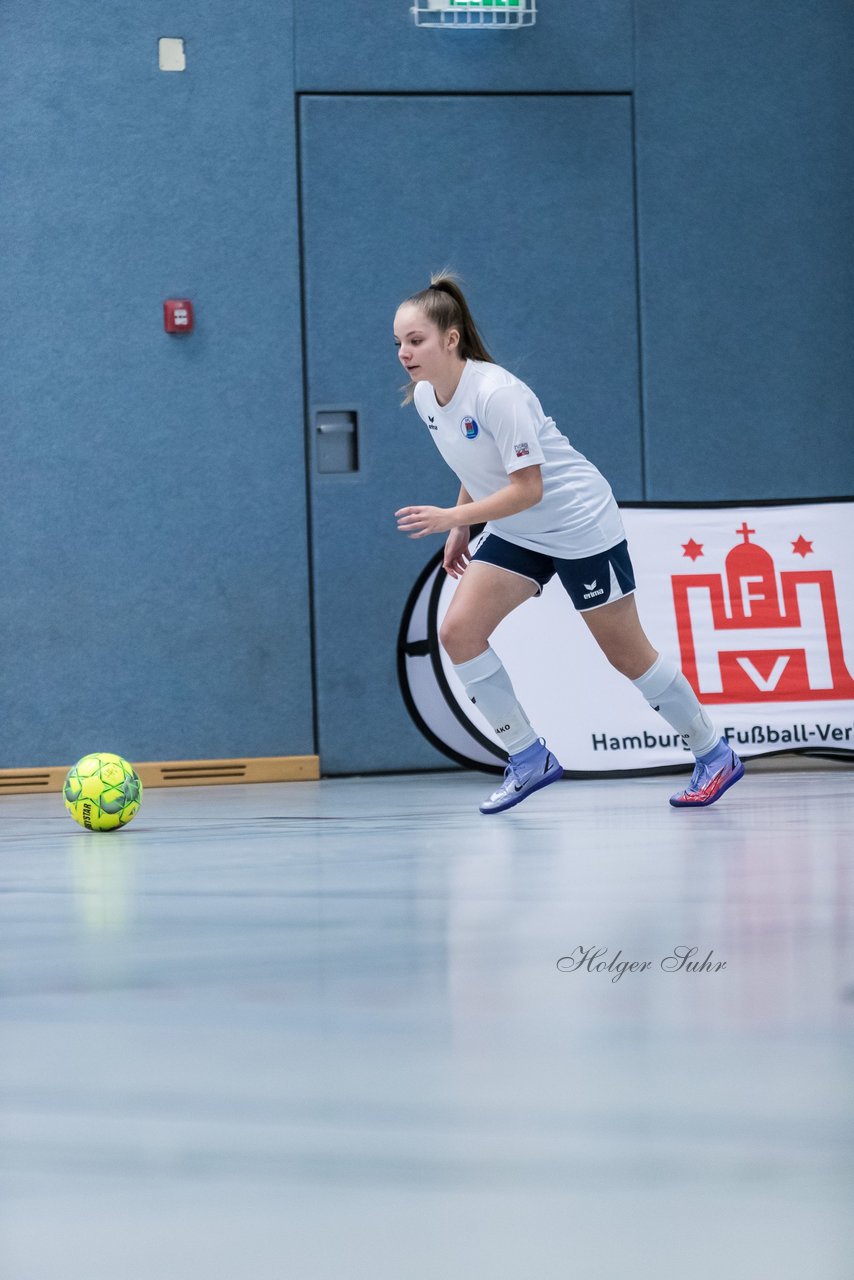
522, 449
469, 428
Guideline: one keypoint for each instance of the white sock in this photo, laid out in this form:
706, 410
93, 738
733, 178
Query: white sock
669, 693
488, 685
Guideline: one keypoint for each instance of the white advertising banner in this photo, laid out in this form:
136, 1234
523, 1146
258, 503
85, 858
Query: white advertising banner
756, 603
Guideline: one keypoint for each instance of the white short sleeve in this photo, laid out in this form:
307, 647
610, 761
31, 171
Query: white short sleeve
511, 419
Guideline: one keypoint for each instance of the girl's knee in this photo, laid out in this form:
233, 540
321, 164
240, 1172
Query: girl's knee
632, 663
460, 640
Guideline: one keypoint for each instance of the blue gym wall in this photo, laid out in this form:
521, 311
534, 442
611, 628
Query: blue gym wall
745, 167
160, 511
155, 581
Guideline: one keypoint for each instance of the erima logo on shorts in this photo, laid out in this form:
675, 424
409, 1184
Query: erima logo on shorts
469, 428
590, 590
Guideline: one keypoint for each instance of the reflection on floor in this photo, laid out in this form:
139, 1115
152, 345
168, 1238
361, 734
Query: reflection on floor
354, 1029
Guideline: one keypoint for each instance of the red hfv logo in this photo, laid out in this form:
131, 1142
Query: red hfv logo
753, 635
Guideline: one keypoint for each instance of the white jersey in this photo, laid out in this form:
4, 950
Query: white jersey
495, 425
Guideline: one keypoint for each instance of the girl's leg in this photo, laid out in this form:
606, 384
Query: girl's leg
617, 630
486, 595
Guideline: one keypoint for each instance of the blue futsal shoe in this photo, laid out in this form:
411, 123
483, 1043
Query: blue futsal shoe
714, 774
527, 771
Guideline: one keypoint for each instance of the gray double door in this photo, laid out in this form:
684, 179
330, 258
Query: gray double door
531, 200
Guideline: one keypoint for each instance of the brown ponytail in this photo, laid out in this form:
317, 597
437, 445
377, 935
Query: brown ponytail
444, 304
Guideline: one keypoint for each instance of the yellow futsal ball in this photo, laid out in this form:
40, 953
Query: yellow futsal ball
102, 792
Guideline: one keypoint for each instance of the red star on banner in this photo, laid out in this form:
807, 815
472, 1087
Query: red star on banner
692, 549
801, 547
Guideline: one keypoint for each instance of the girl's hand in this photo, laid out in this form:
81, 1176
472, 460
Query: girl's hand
417, 522
456, 552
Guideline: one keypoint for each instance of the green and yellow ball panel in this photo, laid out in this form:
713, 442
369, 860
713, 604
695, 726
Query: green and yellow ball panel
102, 792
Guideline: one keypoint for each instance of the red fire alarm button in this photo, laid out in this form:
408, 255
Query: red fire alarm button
178, 315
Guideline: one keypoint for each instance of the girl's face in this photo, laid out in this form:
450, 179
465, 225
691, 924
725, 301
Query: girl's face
425, 352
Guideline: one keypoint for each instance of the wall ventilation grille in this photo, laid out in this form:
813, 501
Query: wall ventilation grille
177, 773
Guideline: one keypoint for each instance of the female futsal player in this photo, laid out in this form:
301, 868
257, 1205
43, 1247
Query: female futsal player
547, 510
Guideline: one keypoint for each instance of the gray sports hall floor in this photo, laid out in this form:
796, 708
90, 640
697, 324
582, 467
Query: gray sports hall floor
316, 1031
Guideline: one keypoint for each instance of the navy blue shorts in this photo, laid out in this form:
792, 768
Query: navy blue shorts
590, 582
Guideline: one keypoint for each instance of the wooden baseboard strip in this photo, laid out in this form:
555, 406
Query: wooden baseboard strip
177, 773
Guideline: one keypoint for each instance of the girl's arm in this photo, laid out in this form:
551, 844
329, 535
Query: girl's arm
523, 490
456, 558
